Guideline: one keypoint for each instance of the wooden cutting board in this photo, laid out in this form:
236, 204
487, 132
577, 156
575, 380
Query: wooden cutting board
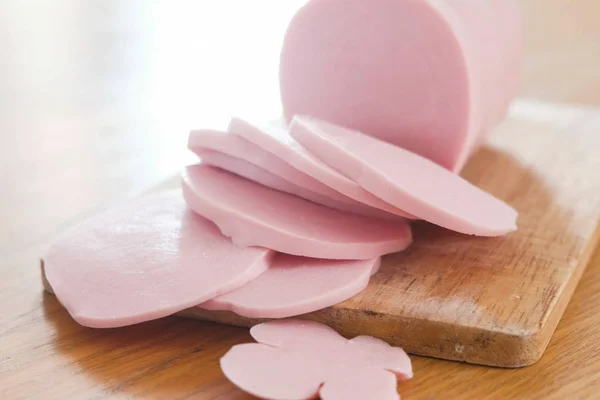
492, 301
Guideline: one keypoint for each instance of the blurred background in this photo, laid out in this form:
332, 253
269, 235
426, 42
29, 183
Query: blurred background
97, 97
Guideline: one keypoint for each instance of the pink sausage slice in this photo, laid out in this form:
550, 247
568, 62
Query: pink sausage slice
256, 174
148, 259
254, 215
237, 146
304, 360
254, 163
431, 76
296, 285
277, 141
406, 180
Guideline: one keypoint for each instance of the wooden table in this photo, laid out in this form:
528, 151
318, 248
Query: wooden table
95, 102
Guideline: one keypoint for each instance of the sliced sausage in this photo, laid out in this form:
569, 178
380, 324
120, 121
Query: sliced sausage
406, 180
254, 215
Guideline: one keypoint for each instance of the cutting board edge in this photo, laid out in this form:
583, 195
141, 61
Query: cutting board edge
504, 350
554, 316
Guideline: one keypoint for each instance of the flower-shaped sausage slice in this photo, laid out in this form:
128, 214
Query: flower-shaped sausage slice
298, 360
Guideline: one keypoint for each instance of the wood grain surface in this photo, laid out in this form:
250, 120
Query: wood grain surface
490, 301
96, 100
